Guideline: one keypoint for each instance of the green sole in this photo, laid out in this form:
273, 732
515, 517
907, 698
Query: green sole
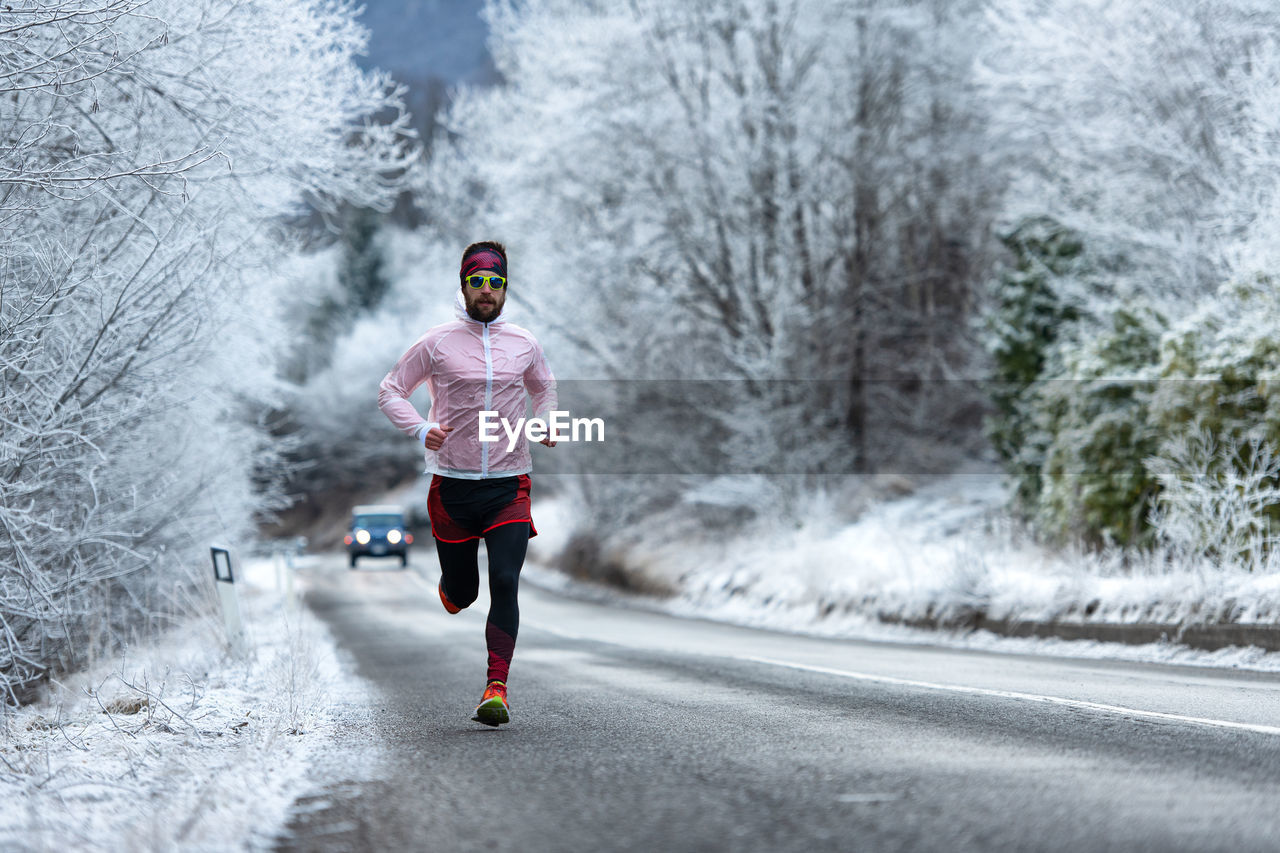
492, 713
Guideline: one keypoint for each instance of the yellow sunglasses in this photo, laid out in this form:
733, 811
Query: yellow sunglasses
495, 282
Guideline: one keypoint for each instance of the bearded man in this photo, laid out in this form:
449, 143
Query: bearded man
477, 363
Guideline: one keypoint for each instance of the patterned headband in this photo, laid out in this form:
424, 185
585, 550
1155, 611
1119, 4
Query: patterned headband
483, 259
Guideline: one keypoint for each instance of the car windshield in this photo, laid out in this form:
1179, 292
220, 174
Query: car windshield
378, 521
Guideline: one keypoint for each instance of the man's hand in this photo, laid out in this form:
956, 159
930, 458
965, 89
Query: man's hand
548, 442
436, 436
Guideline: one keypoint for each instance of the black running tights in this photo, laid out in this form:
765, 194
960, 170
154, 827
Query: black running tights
505, 545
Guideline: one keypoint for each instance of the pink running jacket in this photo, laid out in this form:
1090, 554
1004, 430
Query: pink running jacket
470, 367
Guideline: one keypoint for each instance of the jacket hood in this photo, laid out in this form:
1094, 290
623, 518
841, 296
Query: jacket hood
460, 311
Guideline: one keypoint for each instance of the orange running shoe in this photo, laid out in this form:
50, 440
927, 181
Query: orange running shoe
444, 599
493, 709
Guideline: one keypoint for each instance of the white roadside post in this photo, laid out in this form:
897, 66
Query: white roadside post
277, 563
299, 548
224, 580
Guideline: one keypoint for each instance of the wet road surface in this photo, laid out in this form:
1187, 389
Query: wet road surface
636, 731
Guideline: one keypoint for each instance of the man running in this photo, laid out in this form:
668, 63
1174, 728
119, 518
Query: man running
478, 362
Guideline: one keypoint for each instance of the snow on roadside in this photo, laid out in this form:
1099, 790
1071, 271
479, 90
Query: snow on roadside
176, 744
944, 550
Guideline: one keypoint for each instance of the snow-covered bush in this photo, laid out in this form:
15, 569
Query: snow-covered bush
1217, 407
1218, 498
150, 153
1172, 418
1091, 432
1147, 130
1220, 363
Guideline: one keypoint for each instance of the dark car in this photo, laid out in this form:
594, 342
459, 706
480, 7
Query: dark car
378, 531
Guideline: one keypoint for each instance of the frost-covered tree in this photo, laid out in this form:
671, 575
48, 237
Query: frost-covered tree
337, 443
325, 312
361, 274
149, 150
754, 192
1025, 318
1148, 130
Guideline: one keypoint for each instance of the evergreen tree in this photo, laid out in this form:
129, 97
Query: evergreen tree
360, 274
1026, 318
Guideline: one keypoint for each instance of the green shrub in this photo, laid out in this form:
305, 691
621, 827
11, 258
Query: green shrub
1025, 320
1110, 409
1097, 433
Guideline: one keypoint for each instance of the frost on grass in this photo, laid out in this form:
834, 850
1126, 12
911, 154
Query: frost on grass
174, 744
843, 563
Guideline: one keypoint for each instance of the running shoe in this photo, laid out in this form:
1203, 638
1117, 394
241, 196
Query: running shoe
444, 599
493, 709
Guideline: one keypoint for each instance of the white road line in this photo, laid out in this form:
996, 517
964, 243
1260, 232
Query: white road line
1026, 697
569, 635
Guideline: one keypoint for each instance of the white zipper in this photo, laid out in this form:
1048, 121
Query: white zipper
488, 398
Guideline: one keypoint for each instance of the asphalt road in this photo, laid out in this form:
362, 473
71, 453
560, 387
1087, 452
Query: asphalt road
636, 731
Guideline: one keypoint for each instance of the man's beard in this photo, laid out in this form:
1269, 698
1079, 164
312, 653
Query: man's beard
483, 312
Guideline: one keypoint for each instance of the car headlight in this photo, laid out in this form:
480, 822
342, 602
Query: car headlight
362, 536
393, 536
